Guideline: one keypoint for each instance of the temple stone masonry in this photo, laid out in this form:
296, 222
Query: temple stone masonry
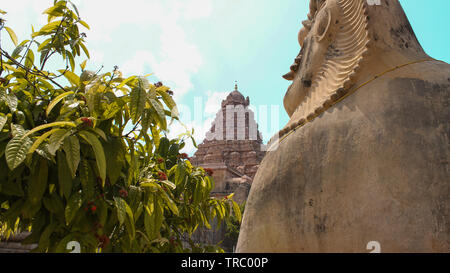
232, 149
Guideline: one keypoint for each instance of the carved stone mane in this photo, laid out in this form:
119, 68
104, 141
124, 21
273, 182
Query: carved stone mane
343, 58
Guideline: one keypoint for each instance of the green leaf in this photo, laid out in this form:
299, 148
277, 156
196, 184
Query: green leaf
71, 77
160, 114
47, 29
110, 110
29, 60
94, 97
3, 120
98, 151
138, 99
121, 209
115, 152
71, 61
237, 210
44, 241
83, 65
163, 147
64, 176
41, 139
43, 44
53, 124
180, 174
87, 179
12, 35
84, 24
85, 50
125, 215
17, 129
168, 100
57, 139
73, 205
153, 218
100, 132
56, 10
16, 150
19, 49
38, 182
12, 102
72, 149
56, 100
170, 203
169, 184
127, 80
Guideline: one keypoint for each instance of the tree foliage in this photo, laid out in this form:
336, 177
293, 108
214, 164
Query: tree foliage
85, 158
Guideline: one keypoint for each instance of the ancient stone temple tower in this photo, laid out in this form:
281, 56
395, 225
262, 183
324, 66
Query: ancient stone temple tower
232, 148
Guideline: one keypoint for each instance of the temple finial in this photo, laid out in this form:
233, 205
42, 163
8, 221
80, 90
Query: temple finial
235, 86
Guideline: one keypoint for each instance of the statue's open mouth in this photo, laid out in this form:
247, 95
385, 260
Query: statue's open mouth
291, 75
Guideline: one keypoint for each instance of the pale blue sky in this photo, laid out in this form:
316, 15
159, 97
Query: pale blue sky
200, 47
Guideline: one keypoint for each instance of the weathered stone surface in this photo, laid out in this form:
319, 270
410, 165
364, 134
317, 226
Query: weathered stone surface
14, 245
373, 167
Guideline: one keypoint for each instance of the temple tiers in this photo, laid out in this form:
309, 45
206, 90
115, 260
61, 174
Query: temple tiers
232, 148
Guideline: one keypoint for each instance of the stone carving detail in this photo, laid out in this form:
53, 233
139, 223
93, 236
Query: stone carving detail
334, 42
231, 149
373, 167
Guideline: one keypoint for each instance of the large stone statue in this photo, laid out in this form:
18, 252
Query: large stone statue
365, 154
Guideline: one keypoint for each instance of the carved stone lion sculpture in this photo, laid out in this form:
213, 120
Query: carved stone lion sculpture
365, 154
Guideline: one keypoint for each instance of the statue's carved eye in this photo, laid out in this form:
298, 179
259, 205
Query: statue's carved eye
323, 23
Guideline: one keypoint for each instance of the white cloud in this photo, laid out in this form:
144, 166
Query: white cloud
140, 36
159, 26
214, 102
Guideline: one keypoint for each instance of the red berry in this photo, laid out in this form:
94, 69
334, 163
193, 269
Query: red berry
123, 193
160, 160
209, 171
93, 208
170, 92
158, 84
162, 176
87, 121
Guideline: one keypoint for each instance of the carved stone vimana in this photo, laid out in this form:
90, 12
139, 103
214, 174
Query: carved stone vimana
365, 154
232, 148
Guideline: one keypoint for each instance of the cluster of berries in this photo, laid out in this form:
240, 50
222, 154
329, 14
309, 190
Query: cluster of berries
91, 207
172, 241
87, 122
102, 239
123, 193
183, 156
162, 176
209, 171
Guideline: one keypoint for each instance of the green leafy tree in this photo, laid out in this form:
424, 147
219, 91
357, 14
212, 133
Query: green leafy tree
84, 158
233, 225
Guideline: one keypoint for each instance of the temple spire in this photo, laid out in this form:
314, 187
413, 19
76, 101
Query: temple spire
235, 86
